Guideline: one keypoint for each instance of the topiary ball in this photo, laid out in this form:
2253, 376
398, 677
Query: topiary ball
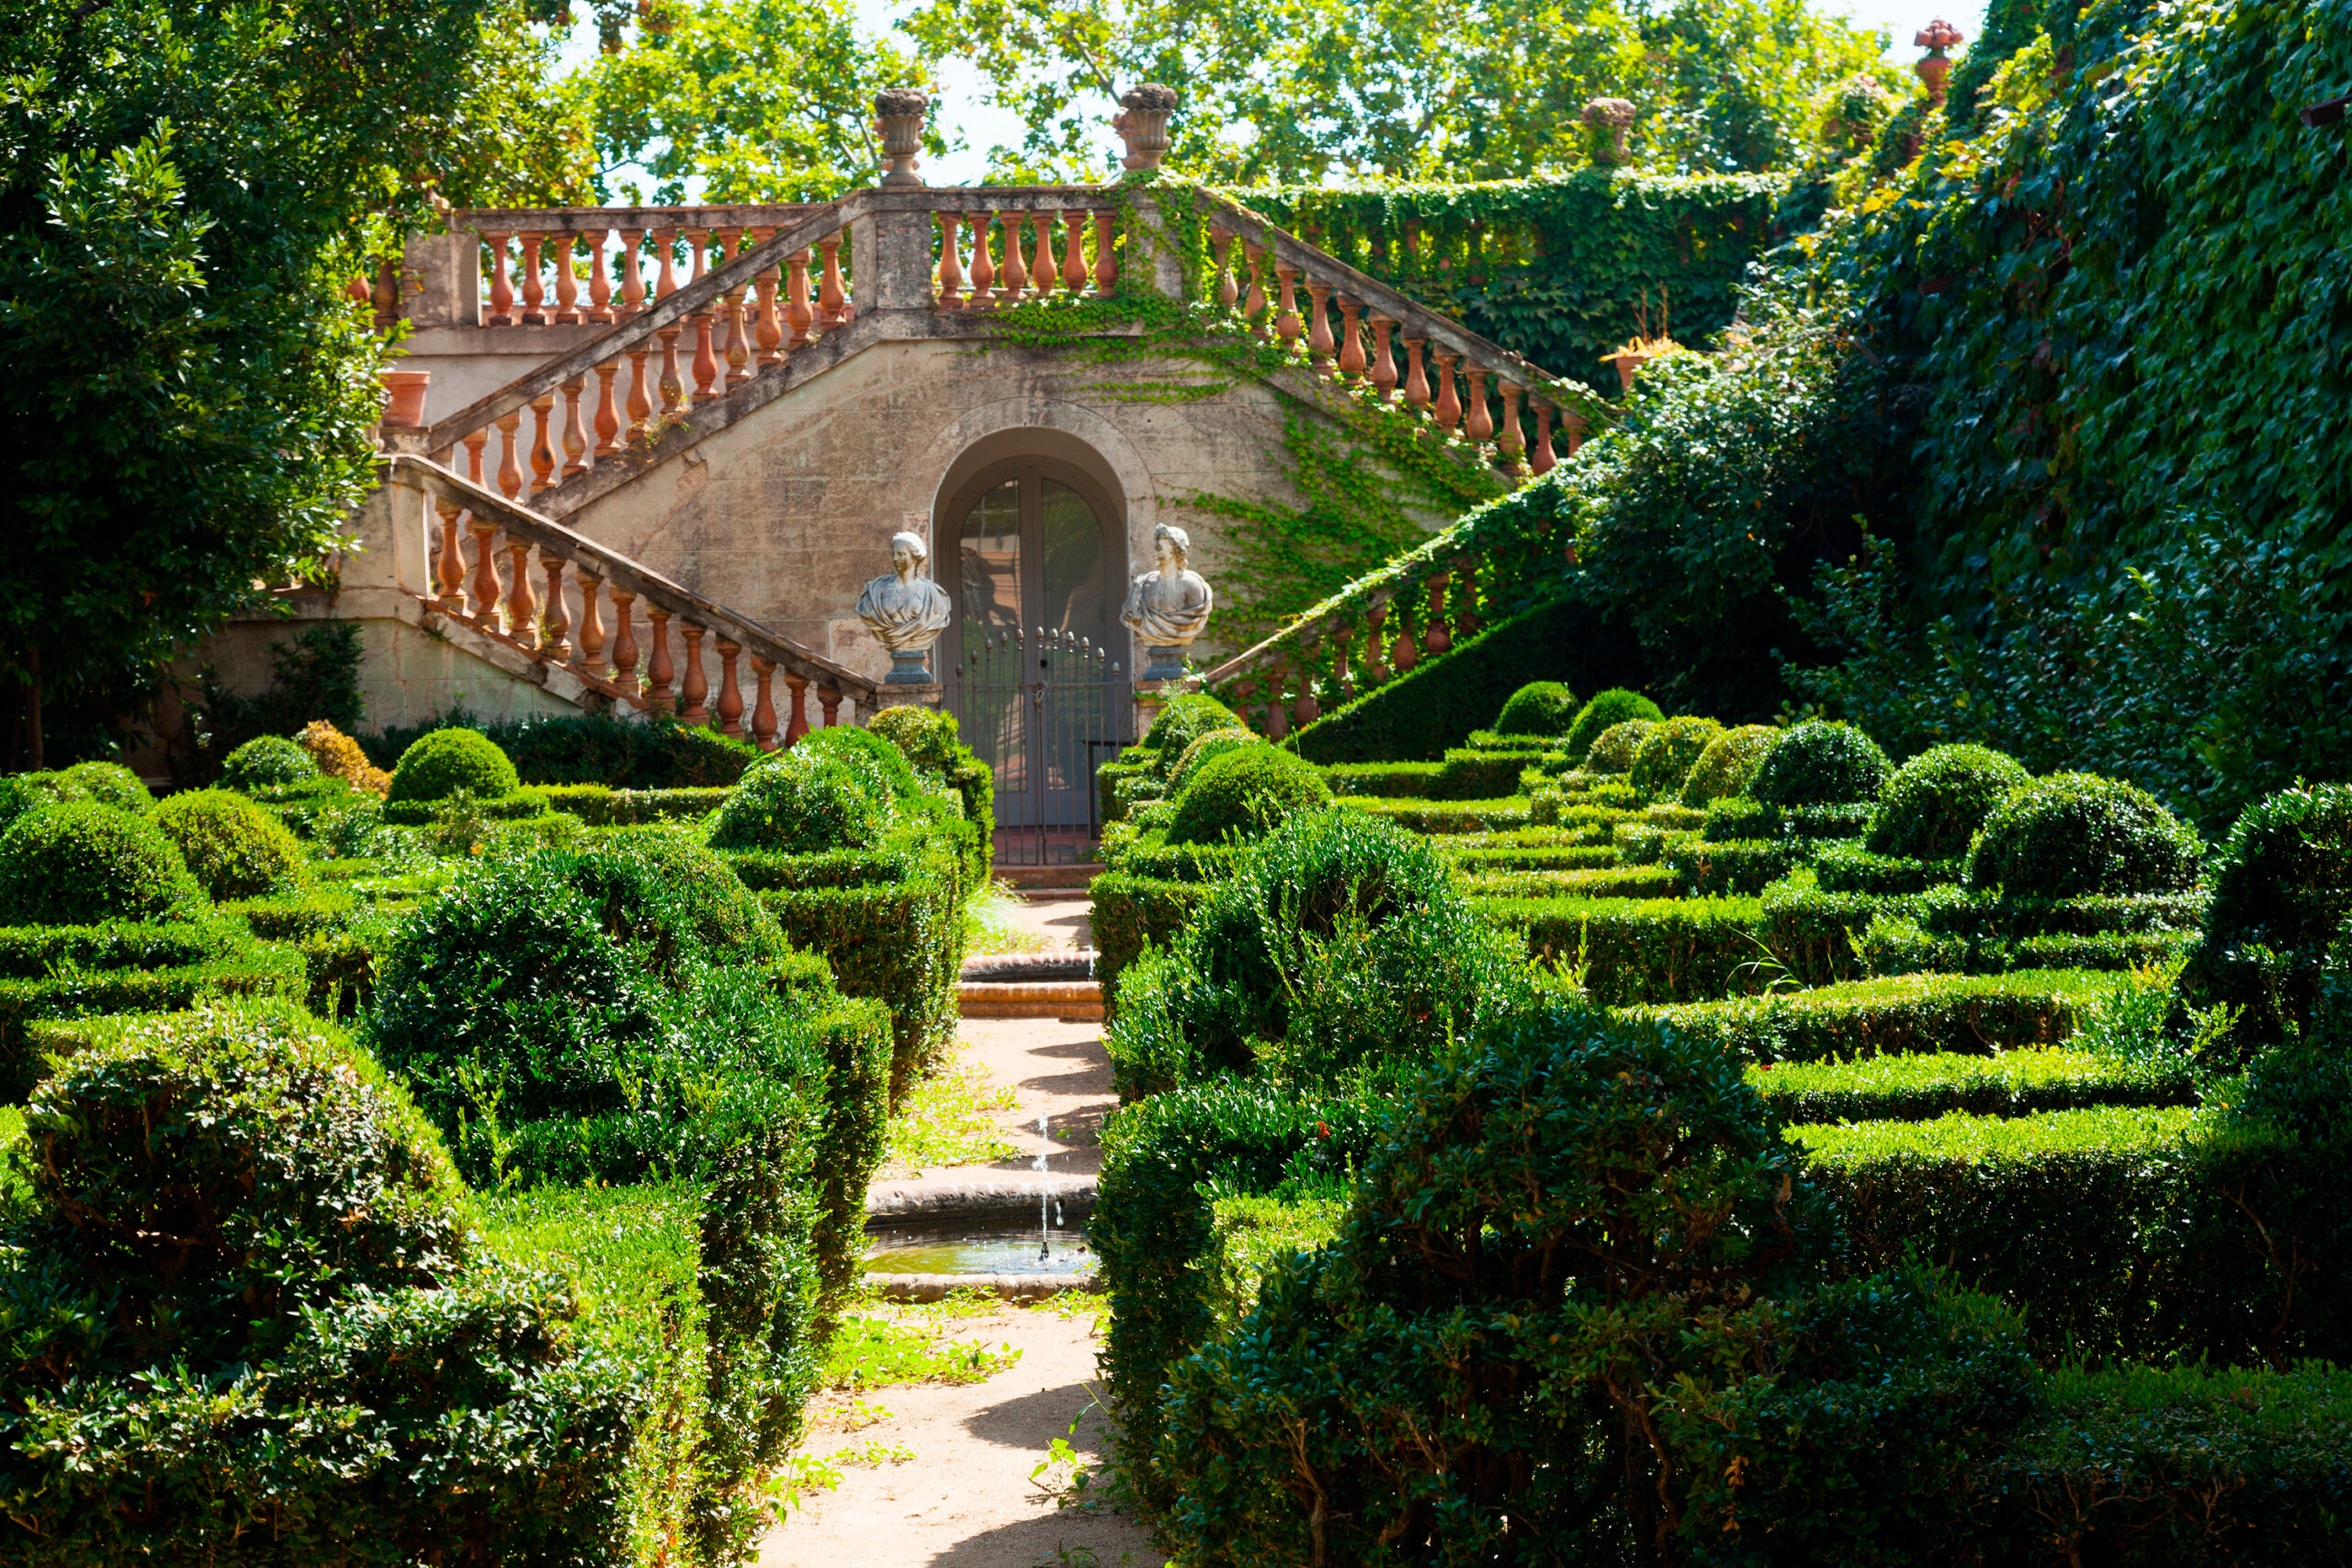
233, 848
1613, 750
2282, 892
803, 802
1185, 720
268, 761
1606, 711
1667, 753
20, 793
108, 784
1216, 743
80, 863
1243, 794
925, 737
1727, 764
887, 775
674, 900
1933, 805
2077, 835
1540, 707
438, 765
1820, 762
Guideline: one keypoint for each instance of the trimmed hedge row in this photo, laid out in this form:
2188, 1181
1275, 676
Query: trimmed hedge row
31, 1010
2008, 1083
1647, 950
1903, 1015
1394, 781
601, 806
1435, 817
1130, 912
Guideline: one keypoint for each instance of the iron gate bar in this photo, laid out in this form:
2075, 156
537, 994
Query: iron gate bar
1037, 706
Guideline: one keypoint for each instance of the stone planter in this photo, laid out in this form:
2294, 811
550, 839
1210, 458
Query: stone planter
1142, 124
404, 398
898, 120
1628, 366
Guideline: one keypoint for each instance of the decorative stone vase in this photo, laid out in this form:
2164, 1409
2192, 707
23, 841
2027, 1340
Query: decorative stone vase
1142, 124
1628, 366
898, 120
1935, 37
404, 397
1608, 119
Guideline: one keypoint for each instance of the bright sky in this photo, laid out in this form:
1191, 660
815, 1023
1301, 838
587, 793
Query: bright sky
960, 104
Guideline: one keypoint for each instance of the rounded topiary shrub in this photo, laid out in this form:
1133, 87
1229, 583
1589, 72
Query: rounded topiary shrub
1668, 752
438, 765
338, 756
1606, 711
925, 737
20, 793
1613, 750
80, 863
233, 848
1216, 743
2283, 891
1820, 762
1185, 720
1727, 764
1244, 793
1540, 707
800, 803
676, 900
2077, 835
1933, 805
108, 784
887, 775
268, 761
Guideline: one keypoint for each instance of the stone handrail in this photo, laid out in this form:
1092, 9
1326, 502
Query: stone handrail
506, 605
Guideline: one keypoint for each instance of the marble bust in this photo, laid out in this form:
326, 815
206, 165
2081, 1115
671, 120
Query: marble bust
905, 612
1168, 608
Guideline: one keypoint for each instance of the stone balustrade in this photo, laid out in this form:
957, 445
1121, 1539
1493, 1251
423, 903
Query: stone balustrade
528, 582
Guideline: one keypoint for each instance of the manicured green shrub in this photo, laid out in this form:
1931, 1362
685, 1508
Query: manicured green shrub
1181, 863
1483, 858
234, 848
1820, 763
439, 765
1740, 867
1849, 868
1130, 912
1641, 950
634, 753
1612, 753
1933, 803
1216, 743
1593, 882
20, 793
2282, 888
883, 768
39, 1015
1899, 1015
2076, 834
1667, 754
1389, 780
108, 784
1739, 819
1250, 1230
928, 738
1810, 933
267, 761
2011, 1083
1243, 794
1606, 711
601, 806
802, 802
1467, 774
1729, 763
1540, 707
1446, 816
80, 865
1180, 722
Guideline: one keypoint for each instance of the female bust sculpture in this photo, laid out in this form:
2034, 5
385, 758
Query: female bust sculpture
1168, 608
905, 612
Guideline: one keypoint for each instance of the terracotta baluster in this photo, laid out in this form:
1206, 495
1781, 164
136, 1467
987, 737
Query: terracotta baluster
1383, 363
632, 281
698, 241
1449, 405
736, 348
1228, 289
657, 669
1417, 380
768, 329
1542, 460
764, 707
1479, 422
510, 471
832, 300
1572, 429
1016, 267
542, 452
1287, 326
534, 290
1465, 597
1253, 303
575, 433
522, 602
695, 687
474, 443
1042, 268
1375, 662
1277, 710
640, 396
799, 315
797, 724
600, 277
672, 384
502, 286
1074, 254
1433, 638
1352, 360
592, 622
1305, 710
566, 279
608, 415
730, 691
983, 265
830, 701
1513, 441
555, 626
665, 250
624, 642
449, 561
705, 358
1408, 650
1319, 329
951, 268
1106, 263
487, 589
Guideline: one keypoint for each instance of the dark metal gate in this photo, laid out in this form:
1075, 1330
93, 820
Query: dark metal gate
1042, 708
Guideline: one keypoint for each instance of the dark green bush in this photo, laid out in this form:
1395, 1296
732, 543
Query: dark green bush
234, 848
801, 802
1740, 867
1613, 750
1898, 1015
1391, 780
1480, 775
653, 752
1729, 763
1606, 711
1208, 746
2014, 1083
1820, 763
2074, 834
889, 776
1849, 868
929, 739
1180, 722
1243, 794
108, 784
80, 865
1641, 950
20, 793
1540, 707
1933, 805
267, 761
1664, 762
2282, 888
40, 1016
447, 761
1130, 912
1740, 819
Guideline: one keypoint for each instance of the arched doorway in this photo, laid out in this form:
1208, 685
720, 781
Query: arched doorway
1033, 658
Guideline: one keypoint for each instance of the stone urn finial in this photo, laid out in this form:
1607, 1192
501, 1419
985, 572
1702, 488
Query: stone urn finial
898, 120
1168, 608
1935, 37
1142, 124
1608, 119
404, 398
905, 611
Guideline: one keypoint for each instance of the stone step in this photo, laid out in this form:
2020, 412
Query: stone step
1071, 1001
1073, 875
